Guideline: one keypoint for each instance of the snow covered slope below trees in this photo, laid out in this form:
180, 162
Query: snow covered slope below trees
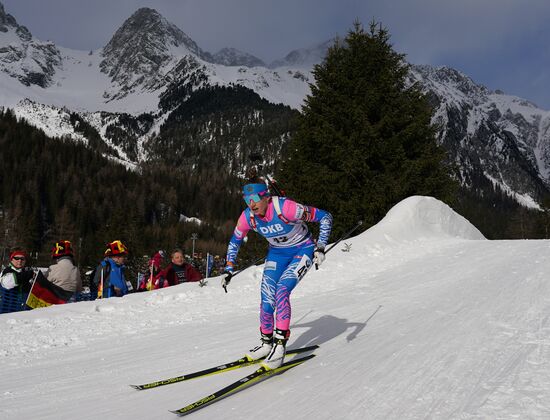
423, 318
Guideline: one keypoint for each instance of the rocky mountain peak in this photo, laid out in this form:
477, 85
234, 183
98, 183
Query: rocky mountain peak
148, 25
235, 57
141, 47
304, 58
28, 60
8, 22
6, 19
435, 77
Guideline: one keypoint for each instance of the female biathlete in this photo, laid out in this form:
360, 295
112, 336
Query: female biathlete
292, 251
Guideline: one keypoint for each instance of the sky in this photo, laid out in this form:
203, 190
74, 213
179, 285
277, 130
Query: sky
502, 44
421, 319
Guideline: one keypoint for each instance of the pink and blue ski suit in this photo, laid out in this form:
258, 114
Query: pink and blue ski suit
290, 255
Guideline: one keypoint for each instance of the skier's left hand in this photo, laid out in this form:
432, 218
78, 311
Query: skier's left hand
319, 256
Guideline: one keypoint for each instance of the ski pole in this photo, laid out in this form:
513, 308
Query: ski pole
242, 269
344, 236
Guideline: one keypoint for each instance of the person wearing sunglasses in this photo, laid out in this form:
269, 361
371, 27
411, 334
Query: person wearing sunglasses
16, 282
292, 252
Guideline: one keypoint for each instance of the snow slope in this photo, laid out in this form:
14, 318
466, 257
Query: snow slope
423, 318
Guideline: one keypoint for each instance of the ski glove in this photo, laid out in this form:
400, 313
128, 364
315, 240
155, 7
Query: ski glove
318, 256
226, 280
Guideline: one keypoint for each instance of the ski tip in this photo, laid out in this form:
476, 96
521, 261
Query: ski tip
179, 413
138, 387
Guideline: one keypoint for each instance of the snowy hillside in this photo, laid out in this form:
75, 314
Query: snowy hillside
503, 138
423, 318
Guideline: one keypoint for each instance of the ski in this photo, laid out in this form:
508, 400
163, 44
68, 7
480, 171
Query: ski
255, 377
242, 362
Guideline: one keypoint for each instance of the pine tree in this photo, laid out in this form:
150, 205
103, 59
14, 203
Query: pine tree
365, 139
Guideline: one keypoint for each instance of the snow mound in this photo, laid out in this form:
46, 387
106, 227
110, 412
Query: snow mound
417, 218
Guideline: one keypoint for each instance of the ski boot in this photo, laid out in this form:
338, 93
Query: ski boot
261, 351
276, 356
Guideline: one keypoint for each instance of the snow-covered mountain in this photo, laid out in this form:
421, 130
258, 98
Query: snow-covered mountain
304, 58
24, 58
235, 57
502, 139
141, 50
145, 56
422, 318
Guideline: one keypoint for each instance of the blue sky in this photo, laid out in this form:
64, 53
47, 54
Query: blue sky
503, 44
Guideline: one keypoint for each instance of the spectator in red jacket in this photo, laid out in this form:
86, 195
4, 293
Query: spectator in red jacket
155, 263
178, 271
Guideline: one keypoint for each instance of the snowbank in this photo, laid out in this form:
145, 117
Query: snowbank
420, 218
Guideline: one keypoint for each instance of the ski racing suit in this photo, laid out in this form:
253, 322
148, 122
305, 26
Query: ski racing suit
291, 248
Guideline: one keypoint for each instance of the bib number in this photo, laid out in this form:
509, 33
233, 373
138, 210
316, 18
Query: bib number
281, 239
303, 267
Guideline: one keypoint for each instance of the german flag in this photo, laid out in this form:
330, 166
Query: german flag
44, 293
100, 288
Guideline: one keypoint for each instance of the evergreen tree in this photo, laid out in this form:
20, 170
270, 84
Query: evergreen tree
365, 139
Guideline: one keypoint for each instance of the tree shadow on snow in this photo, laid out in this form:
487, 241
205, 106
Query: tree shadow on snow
328, 327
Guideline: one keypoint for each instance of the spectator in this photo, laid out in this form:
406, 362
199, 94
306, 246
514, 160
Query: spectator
63, 272
155, 263
145, 281
15, 282
109, 275
178, 271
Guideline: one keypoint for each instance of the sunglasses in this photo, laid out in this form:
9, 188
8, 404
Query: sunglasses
19, 258
254, 197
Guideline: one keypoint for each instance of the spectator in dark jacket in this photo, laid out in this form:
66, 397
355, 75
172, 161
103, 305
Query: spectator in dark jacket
178, 271
15, 282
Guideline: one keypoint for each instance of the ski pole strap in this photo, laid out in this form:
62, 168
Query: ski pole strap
345, 235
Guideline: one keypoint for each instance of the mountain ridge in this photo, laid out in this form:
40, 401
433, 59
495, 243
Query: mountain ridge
148, 61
